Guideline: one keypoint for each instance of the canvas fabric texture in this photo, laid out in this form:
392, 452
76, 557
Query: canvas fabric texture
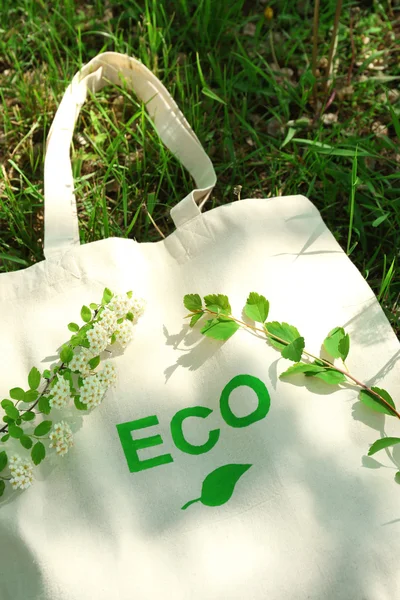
313, 517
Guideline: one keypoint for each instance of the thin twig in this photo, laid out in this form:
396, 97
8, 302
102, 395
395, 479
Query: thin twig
152, 220
315, 49
30, 132
353, 49
333, 44
271, 43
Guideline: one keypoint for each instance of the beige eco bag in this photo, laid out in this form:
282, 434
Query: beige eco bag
311, 518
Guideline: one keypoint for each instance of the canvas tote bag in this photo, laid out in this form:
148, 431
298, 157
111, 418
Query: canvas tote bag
312, 518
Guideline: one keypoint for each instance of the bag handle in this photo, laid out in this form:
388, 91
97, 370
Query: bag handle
61, 228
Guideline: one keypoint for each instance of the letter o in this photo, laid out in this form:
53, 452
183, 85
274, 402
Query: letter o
264, 401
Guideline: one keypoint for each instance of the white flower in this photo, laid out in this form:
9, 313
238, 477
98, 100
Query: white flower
80, 362
92, 391
108, 320
121, 305
108, 376
61, 393
21, 472
98, 338
61, 438
124, 333
137, 307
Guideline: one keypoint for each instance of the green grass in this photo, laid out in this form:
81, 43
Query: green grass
258, 124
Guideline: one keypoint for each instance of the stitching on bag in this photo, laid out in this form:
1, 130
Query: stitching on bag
194, 232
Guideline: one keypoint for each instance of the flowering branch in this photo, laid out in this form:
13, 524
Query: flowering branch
74, 380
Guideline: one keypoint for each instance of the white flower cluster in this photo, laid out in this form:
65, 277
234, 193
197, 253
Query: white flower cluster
92, 391
124, 333
98, 339
137, 307
61, 438
122, 305
80, 362
108, 376
61, 392
108, 320
21, 472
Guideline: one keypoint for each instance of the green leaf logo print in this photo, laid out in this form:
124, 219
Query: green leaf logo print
218, 486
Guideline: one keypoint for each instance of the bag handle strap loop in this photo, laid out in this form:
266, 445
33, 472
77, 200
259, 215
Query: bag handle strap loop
61, 228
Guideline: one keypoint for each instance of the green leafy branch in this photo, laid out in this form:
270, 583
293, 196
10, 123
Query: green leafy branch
16, 418
286, 338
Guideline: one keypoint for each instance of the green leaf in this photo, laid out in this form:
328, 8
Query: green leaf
6, 402
219, 485
75, 340
129, 294
17, 393
73, 327
15, 431
294, 350
332, 340
382, 443
344, 347
86, 314
218, 303
46, 374
302, 368
107, 295
44, 405
192, 302
257, 307
5, 437
34, 378
67, 374
11, 411
43, 428
375, 403
195, 318
80, 381
319, 363
31, 396
220, 329
93, 306
397, 477
286, 332
26, 441
38, 453
18, 421
28, 416
8, 420
3, 460
331, 376
129, 316
66, 354
79, 405
94, 362
113, 338
2, 486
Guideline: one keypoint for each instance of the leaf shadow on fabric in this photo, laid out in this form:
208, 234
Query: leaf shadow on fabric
196, 352
313, 237
368, 325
